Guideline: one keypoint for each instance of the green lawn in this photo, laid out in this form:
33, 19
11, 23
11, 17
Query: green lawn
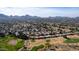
74, 40
4, 46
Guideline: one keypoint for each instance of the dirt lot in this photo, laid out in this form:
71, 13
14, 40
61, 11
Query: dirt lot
58, 41
12, 42
73, 36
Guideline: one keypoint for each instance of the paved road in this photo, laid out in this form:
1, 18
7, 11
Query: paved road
51, 36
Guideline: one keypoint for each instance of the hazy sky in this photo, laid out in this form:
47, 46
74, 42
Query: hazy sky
42, 12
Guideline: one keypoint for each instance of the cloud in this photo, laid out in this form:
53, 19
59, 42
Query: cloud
41, 11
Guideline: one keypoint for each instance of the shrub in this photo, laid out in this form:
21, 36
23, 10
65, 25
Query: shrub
33, 40
48, 45
47, 40
35, 48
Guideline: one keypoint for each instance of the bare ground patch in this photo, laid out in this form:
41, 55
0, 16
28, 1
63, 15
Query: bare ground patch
12, 42
73, 36
58, 40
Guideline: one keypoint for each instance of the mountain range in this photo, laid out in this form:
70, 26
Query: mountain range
57, 19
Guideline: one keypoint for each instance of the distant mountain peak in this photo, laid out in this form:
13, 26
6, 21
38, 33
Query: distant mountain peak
2, 15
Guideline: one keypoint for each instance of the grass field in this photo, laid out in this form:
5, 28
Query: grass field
72, 40
4, 46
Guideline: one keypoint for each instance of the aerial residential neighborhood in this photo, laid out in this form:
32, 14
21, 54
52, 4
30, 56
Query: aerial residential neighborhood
36, 33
